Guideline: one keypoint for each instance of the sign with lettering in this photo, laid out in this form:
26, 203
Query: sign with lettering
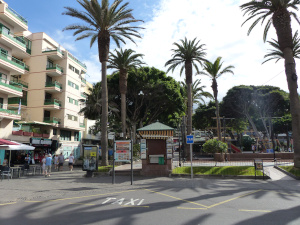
122, 151
190, 139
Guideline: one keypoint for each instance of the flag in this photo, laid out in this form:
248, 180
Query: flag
19, 110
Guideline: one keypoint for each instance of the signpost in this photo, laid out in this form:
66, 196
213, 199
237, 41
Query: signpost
190, 141
123, 153
258, 165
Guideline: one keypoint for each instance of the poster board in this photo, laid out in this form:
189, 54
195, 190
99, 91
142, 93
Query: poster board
90, 158
169, 147
143, 149
122, 151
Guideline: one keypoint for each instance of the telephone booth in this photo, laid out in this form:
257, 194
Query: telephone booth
90, 159
156, 149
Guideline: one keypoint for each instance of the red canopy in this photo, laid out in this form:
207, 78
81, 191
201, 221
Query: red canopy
6, 142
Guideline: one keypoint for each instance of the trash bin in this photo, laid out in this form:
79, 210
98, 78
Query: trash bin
161, 160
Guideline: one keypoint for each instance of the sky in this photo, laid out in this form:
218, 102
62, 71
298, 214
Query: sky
217, 24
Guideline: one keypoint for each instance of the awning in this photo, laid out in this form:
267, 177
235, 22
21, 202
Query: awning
14, 146
33, 123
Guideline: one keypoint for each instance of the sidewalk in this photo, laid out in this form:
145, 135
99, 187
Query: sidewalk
275, 174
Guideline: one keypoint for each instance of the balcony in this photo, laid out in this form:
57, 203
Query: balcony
77, 61
83, 95
12, 64
53, 54
7, 38
52, 120
16, 101
55, 70
52, 104
9, 112
16, 82
82, 125
12, 17
6, 87
53, 86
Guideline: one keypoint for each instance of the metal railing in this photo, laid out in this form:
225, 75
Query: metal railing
17, 15
16, 100
53, 84
14, 61
76, 60
52, 102
11, 110
52, 50
52, 120
11, 36
55, 67
10, 84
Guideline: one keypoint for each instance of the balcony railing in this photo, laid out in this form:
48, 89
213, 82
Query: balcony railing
12, 110
54, 84
82, 125
10, 35
16, 100
55, 67
52, 120
83, 95
52, 50
19, 82
17, 15
13, 60
8, 84
76, 60
52, 102
83, 80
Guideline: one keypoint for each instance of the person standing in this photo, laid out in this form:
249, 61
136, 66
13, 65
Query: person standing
253, 148
71, 162
48, 165
61, 160
27, 159
56, 162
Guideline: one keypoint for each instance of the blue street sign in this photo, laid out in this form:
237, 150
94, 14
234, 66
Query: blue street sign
190, 139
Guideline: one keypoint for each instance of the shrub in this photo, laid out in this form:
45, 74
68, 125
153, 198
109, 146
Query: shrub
214, 146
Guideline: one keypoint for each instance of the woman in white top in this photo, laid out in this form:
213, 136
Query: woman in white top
71, 161
56, 162
44, 164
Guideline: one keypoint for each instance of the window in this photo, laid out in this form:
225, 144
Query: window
73, 85
76, 102
73, 69
76, 136
49, 63
54, 131
71, 117
1, 103
65, 135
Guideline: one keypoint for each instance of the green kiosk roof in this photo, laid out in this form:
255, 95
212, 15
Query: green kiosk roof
155, 126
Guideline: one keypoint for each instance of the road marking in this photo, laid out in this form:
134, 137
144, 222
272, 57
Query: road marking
33, 201
175, 198
229, 200
191, 208
80, 204
62, 199
136, 206
283, 193
248, 210
10, 203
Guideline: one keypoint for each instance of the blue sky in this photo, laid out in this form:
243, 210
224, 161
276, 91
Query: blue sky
216, 23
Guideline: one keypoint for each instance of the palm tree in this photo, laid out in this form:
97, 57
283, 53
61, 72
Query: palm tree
187, 54
277, 54
123, 61
103, 22
279, 13
198, 93
214, 71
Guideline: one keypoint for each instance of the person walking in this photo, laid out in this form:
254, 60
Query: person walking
43, 162
61, 160
48, 165
71, 162
56, 162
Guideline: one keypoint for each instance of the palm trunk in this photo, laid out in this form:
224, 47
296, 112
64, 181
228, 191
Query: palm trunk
123, 91
104, 116
282, 24
215, 90
189, 81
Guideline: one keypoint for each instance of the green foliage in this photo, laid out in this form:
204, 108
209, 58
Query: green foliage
224, 170
214, 146
247, 141
136, 150
291, 170
203, 116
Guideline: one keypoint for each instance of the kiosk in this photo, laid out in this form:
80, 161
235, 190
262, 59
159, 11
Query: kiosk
90, 159
156, 149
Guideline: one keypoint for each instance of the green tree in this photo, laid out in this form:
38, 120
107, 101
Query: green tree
187, 54
215, 146
124, 61
103, 22
214, 71
279, 13
203, 117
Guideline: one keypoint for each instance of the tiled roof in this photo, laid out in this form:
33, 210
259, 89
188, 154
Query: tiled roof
156, 126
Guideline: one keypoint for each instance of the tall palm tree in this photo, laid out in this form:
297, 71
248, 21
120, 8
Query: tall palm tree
214, 71
198, 93
123, 61
279, 13
277, 54
103, 22
187, 54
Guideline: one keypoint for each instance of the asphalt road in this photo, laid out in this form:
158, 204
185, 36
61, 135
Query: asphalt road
69, 198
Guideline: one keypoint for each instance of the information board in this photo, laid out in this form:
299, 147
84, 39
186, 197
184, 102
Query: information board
190, 139
122, 151
143, 149
90, 158
169, 147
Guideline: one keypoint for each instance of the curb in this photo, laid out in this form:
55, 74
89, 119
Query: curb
287, 173
220, 176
